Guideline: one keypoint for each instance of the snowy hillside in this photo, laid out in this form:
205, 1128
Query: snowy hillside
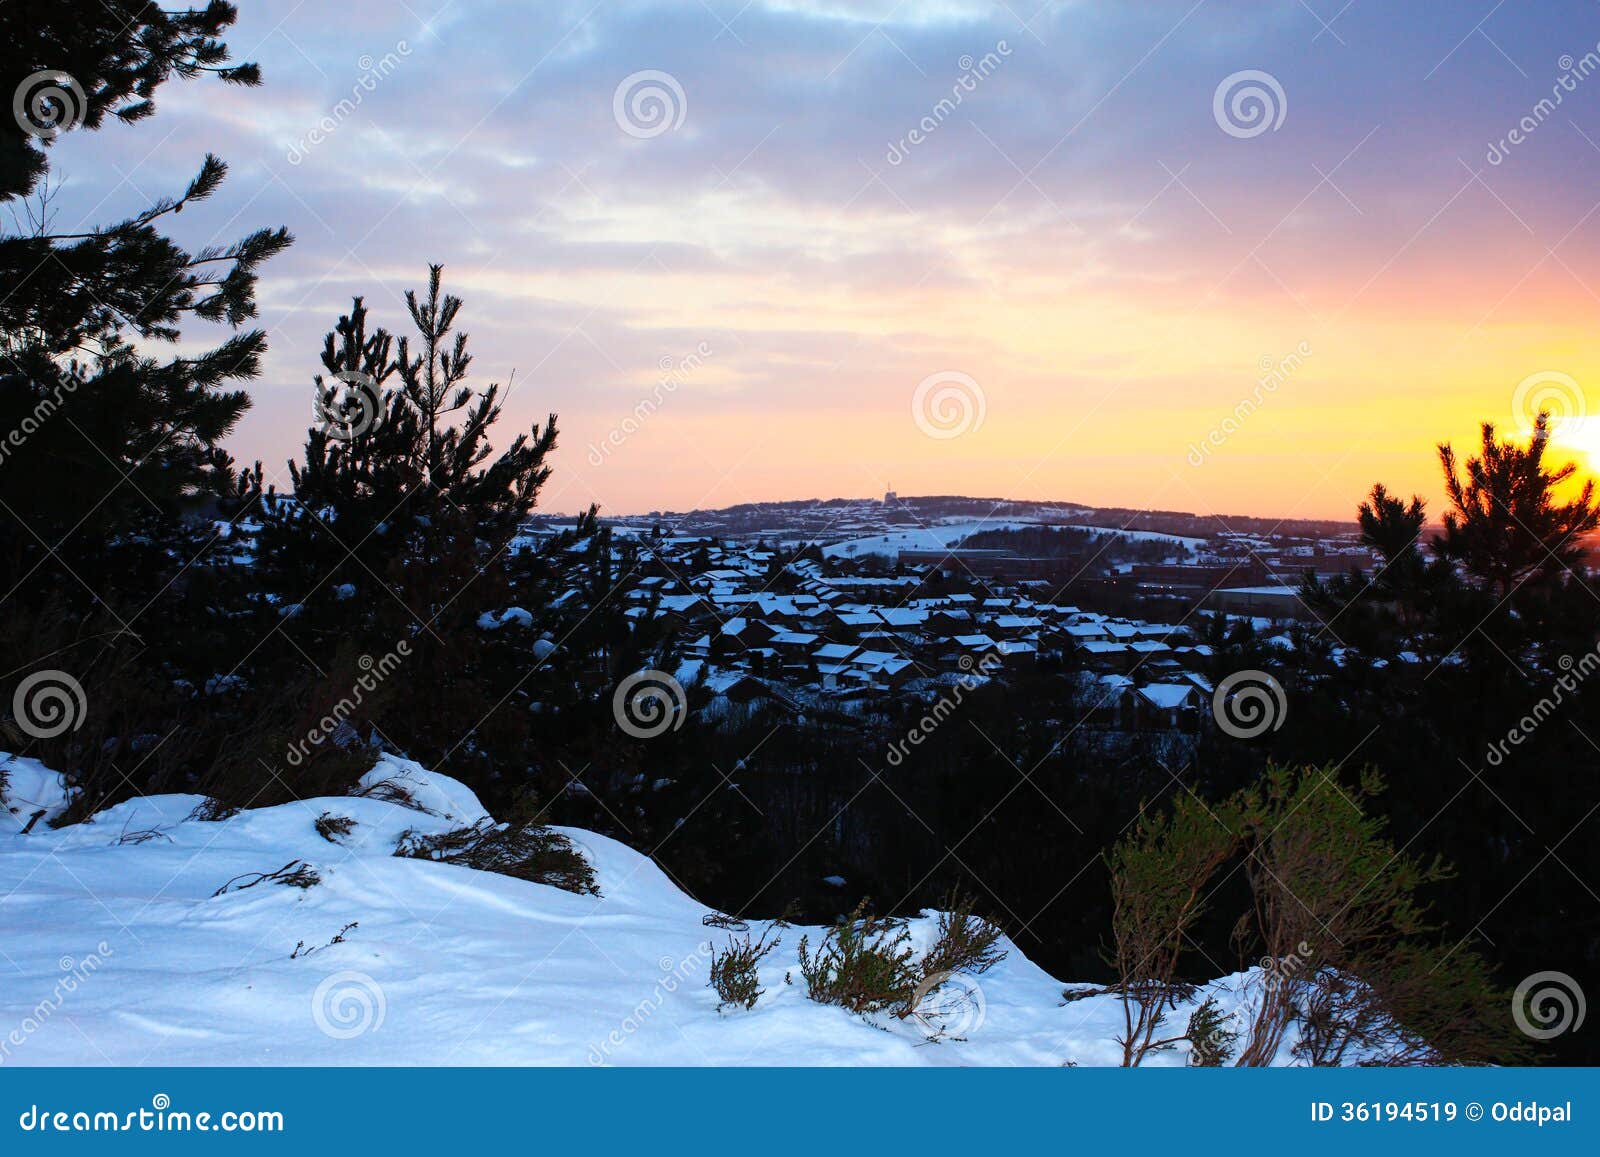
942, 536
120, 949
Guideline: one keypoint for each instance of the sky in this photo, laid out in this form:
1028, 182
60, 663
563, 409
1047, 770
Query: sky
1215, 256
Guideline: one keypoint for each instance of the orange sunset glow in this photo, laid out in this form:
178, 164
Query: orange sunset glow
1080, 235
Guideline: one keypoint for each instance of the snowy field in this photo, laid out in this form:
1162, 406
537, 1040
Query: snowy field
117, 949
942, 536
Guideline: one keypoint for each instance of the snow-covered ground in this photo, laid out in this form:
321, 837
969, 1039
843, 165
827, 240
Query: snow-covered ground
117, 949
942, 536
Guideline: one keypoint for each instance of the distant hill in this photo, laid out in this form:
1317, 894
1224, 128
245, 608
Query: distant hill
845, 513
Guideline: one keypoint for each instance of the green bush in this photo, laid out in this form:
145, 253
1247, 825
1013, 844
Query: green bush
526, 851
330, 827
863, 964
735, 971
1211, 1041
965, 942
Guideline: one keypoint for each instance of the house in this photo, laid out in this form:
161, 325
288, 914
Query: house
830, 654
1106, 700
1168, 707
1105, 655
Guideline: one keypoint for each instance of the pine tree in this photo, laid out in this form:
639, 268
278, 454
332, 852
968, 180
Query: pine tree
111, 457
1507, 527
123, 435
401, 526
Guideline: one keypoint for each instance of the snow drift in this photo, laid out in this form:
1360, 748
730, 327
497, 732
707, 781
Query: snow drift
144, 937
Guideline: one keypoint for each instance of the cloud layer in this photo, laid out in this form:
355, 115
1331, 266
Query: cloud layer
731, 283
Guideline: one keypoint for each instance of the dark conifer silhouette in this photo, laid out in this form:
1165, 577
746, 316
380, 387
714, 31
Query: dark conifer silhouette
1508, 527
